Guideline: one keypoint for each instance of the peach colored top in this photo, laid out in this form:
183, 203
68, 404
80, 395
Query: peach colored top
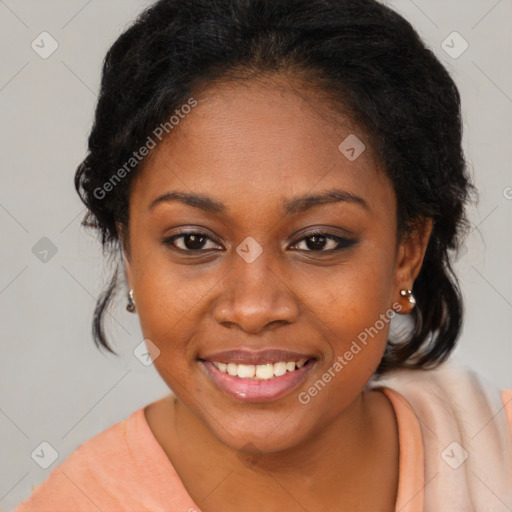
124, 468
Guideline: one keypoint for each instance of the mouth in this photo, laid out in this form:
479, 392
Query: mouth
264, 371
257, 377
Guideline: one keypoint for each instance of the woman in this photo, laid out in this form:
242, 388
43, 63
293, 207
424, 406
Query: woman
281, 179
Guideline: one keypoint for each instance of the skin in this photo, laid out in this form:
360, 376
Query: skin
252, 145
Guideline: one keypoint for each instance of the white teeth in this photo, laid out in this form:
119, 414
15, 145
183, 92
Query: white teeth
280, 368
245, 370
265, 371
260, 371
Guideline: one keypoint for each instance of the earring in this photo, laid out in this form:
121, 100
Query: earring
131, 303
405, 292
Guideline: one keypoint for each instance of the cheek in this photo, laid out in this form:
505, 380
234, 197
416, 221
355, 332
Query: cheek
352, 303
166, 293
352, 312
167, 306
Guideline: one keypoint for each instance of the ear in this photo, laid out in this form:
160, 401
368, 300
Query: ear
128, 270
126, 253
410, 255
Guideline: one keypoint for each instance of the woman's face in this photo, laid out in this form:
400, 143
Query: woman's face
289, 255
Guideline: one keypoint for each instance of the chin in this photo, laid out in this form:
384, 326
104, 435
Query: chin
261, 432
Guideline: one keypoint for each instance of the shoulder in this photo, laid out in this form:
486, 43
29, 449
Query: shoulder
454, 396
466, 430
446, 382
506, 395
87, 476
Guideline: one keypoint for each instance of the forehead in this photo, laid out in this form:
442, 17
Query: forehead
265, 140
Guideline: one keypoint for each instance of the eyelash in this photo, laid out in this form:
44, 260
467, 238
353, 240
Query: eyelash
343, 243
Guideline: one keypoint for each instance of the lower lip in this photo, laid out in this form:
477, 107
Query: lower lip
253, 390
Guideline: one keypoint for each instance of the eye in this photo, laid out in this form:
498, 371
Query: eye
195, 241
324, 242
191, 242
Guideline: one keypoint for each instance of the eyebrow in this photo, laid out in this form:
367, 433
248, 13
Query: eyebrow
291, 206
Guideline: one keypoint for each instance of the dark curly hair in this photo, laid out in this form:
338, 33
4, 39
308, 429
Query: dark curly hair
363, 55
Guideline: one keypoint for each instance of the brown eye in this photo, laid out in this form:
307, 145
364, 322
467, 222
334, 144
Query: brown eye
324, 242
190, 242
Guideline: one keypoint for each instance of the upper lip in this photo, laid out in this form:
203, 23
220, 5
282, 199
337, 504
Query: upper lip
243, 356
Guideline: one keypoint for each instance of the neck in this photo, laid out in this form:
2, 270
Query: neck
333, 463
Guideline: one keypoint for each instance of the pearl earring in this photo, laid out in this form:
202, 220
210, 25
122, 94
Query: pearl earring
405, 292
131, 303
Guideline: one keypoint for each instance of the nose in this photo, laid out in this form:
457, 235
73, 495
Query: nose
254, 296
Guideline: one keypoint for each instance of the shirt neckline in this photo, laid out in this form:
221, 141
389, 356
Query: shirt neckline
411, 473
148, 453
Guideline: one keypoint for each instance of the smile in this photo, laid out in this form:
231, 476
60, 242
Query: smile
260, 371
257, 376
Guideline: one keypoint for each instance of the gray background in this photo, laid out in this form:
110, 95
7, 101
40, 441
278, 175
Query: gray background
55, 385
